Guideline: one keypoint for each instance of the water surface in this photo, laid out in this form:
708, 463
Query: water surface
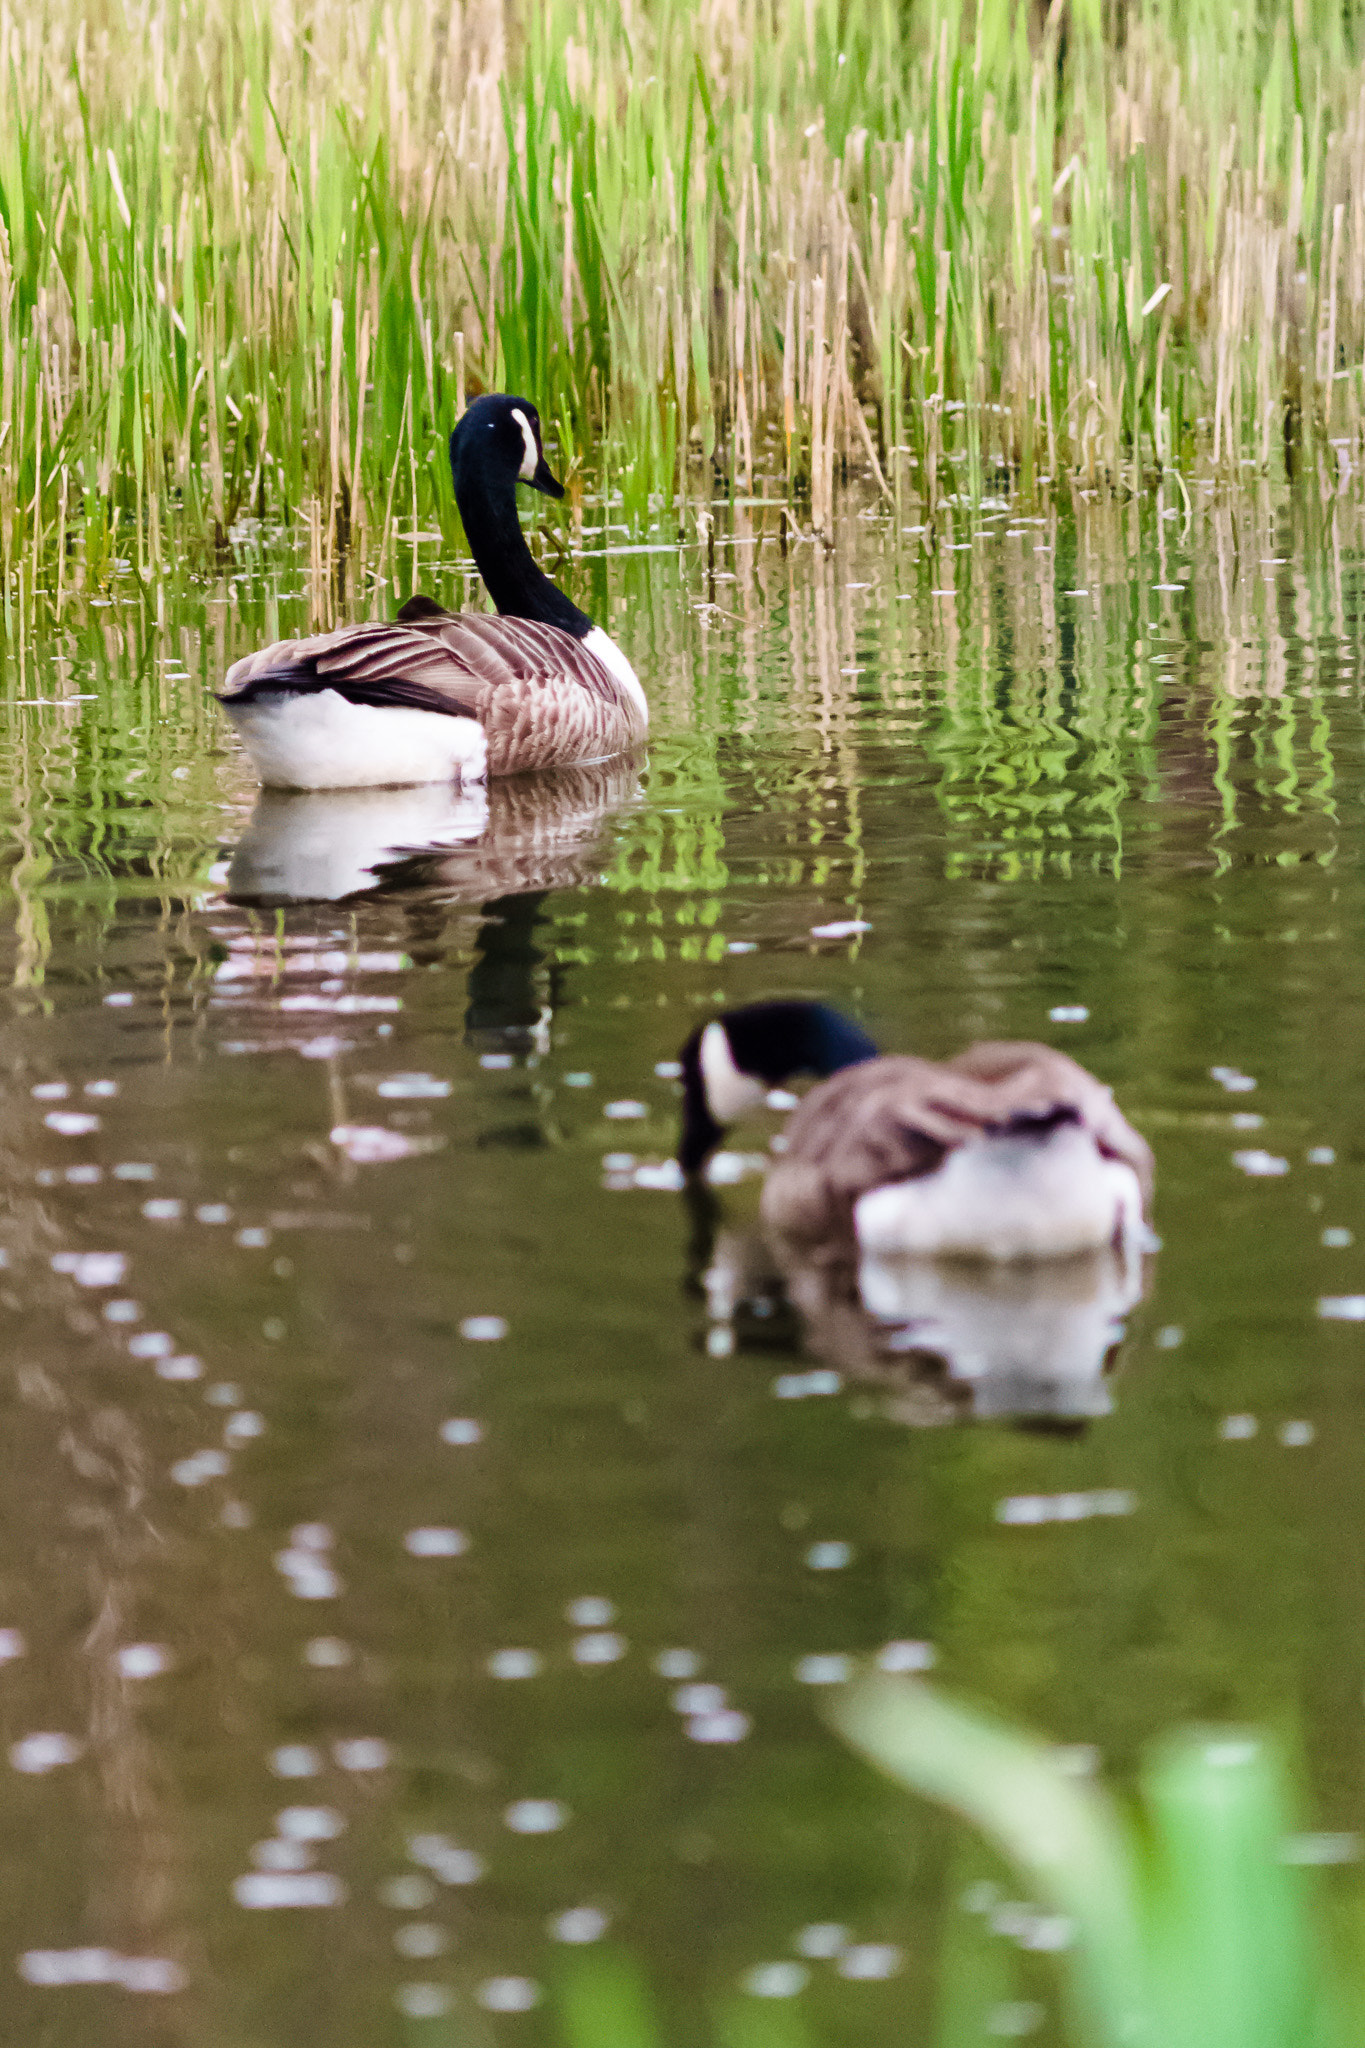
376, 1477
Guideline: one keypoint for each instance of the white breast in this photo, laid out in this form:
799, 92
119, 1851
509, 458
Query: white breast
609, 654
1006, 1198
319, 740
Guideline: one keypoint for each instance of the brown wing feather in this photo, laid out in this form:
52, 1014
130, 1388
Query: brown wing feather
894, 1119
539, 693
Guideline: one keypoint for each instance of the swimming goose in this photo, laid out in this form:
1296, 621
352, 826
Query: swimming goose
441, 696
1008, 1151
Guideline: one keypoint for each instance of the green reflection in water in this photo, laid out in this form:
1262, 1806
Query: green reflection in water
1142, 803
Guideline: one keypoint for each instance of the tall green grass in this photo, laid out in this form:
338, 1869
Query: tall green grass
252, 259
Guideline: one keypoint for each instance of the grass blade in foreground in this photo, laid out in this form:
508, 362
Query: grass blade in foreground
1065, 1834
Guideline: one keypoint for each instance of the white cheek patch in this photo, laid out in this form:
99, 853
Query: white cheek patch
531, 459
729, 1093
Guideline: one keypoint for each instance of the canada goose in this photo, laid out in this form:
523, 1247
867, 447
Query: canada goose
442, 696
1008, 1151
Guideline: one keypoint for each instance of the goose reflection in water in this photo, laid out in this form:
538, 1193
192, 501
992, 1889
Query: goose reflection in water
940, 1339
522, 833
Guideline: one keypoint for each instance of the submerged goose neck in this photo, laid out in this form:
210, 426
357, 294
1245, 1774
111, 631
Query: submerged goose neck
517, 585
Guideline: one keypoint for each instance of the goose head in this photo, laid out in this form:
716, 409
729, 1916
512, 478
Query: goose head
497, 445
730, 1065
497, 440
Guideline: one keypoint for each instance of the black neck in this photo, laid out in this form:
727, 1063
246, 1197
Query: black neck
517, 586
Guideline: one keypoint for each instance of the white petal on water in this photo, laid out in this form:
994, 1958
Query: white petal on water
413, 1088
870, 1960
1237, 1429
1228, 1077
143, 1660
1260, 1164
536, 1816
1321, 1155
1294, 1435
1069, 1013
122, 1311
310, 1823
213, 1212
36, 1754
668, 1070
327, 1653
664, 1176
512, 1664
460, 1429
603, 1646
828, 1667
625, 1111
508, 1994
103, 1089
12, 1645
134, 1169
363, 1753
578, 1080
277, 1855
699, 1699
775, 1980
92, 1269
728, 1726
590, 1610
906, 1656
407, 1894
263, 1889
1336, 1240
58, 1966
151, 1344
496, 1062
374, 1144
678, 1663
829, 1557
799, 1386
842, 928
202, 1466
419, 1940
578, 1925
71, 1123
50, 1091
483, 1329
163, 1209
423, 2001
296, 1760
242, 1427
436, 1542
821, 1941
1342, 1308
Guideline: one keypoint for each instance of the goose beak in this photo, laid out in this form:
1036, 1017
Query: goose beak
543, 479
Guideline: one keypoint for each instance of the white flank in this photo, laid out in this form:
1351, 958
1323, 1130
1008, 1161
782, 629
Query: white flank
1006, 1198
319, 740
730, 1094
321, 845
605, 649
531, 458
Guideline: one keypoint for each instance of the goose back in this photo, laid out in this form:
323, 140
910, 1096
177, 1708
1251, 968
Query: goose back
541, 696
897, 1120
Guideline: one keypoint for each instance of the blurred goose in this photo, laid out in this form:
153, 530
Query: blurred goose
442, 696
1008, 1151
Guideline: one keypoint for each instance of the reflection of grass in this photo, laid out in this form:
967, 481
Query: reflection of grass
1190, 1929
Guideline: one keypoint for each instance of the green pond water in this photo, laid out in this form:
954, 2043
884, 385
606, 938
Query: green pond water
377, 1475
